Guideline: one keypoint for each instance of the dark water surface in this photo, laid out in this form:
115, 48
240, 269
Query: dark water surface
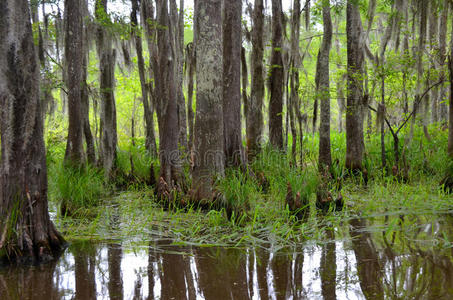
367, 264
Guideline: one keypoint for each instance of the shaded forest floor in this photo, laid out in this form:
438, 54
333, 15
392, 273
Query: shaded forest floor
257, 213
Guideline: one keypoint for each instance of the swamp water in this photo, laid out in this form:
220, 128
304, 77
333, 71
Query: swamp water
370, 262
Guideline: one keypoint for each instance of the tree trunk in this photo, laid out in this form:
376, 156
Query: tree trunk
108, 132
190, 69
167, 106
150, 141
340, 79
322, 89
443, 110
423, 6
354, 119
450, 114
294, 83
433, 50
244, 84
276, 78
74, 62
26, 231
209, 158
89, 140
177, 23
255, 109
232, 83
147, 19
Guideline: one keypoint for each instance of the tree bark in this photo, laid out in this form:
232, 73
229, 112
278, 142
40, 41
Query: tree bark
433, 44
177, 23
294, 76
443, 110
450, 114
255, 109
354, 119
26, 231
423, 6
190, 69
276, 78
74, 62
322, 89
244, 85
150, 141
232, 44
89, 140
209, 158
340, 79
108, 132
167, 106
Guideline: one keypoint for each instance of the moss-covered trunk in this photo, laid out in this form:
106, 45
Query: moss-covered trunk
74, 71
276, 78
322, 89
232, 45
167, 105
208, 157
150, 139
106, 53
26, 231
354, 118
255, 108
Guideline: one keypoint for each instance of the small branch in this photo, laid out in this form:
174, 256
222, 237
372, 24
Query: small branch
386, 121
395, 133
418, 101
53, 60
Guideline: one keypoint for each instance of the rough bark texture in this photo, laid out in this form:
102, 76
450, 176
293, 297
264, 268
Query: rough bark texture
340, 79
276, 78
423, 6
294, 102
190, 70
177, 23
167, 106
85, 107
434, 49
255, 109
244, 85
74, 63
232, 82
450, 114
443, 109
147, 20
89, 139
322, 89
26, 231
108, 132
208, 157
354, 119
150, 141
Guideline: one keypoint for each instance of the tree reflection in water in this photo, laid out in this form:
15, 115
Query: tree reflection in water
372, 263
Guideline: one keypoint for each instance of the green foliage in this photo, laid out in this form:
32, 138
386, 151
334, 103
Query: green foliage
76, 188
138, 157
239, 191
276, 168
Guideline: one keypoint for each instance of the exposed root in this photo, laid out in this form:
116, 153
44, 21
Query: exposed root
296, 205
324, 197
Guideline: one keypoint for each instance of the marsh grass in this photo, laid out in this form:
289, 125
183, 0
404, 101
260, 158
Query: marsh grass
76, 189
256, 214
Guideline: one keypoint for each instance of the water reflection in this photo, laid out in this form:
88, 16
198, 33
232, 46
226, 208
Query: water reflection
369, 264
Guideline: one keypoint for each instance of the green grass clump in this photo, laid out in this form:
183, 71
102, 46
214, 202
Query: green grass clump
239, 192
76, 188
276, 168
134, 164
